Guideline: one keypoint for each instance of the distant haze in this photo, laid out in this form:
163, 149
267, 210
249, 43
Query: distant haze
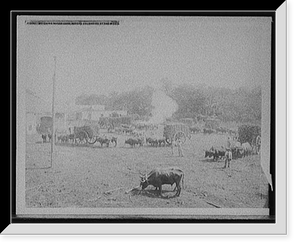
225, 52
163, 107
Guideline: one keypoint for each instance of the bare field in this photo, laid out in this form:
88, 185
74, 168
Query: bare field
95, 177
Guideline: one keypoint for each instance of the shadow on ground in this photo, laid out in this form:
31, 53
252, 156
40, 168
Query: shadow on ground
166, 194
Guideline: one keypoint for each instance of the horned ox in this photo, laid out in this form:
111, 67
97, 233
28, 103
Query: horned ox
161, 176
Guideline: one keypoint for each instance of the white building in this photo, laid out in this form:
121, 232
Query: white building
94, 112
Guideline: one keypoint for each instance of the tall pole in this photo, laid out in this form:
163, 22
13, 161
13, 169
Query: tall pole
53, 113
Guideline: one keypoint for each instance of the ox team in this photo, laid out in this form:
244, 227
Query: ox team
232, 150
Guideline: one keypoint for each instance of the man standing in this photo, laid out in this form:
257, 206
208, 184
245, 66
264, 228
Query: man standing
228, 157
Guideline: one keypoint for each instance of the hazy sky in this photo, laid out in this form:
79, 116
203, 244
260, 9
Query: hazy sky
97, 59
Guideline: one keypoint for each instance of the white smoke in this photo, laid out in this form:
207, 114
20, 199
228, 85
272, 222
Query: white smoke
163, 107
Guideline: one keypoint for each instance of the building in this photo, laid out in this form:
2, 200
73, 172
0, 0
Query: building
95, 112
36, 108
66, 115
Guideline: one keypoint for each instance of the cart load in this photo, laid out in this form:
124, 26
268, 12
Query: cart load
45, 125
113, 122
250, 134
188, 121
87, 133
176, 132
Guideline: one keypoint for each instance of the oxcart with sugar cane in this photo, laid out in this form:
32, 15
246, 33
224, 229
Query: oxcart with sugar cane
175, 132
167, 133
250, 134
44, 128
85, 133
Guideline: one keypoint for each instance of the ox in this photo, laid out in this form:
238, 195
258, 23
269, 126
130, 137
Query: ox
195, 129
152, 142
237, 152
103, 141
161, 176
209, 154
207, 131
133, 142
247, 149
44, 137
216, 153
114, 140
161, 142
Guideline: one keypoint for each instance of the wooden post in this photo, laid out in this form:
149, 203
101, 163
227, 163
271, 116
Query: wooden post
53, 114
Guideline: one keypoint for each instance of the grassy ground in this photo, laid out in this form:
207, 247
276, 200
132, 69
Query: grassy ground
99, 177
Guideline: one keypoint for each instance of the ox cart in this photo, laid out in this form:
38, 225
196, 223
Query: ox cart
250, 134
114, 122
174, 132
44, 128
84, 132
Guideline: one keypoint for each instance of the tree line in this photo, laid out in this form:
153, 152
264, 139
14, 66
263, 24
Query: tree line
241, 104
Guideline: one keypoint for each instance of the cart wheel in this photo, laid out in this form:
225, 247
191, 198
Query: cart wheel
91, 140
180, 136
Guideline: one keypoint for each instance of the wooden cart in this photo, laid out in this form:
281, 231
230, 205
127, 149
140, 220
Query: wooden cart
87, 133
174, 132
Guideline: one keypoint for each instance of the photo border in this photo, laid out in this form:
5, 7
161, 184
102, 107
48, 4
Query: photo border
272, 196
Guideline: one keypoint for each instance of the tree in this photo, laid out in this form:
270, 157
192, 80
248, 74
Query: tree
190, 101
135, 102
92, 99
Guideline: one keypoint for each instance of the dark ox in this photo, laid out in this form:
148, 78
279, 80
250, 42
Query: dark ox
133, 142
207, 131
152, 142
209, 154
103, 141
114, 140
195, 129
216, 153
44, 137
161, 176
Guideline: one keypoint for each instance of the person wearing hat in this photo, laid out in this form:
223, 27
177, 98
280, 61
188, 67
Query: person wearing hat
228, 157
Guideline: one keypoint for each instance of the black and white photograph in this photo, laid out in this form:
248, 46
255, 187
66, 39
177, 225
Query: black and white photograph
145, 117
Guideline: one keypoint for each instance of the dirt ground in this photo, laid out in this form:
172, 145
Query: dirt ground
91, 176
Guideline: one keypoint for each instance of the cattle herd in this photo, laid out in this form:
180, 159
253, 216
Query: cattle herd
220, 130
238, 151
105, 141
134, 139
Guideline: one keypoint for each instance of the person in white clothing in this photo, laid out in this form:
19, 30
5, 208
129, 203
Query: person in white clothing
228, 157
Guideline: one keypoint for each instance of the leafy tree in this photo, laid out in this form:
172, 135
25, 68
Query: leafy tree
189, 99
